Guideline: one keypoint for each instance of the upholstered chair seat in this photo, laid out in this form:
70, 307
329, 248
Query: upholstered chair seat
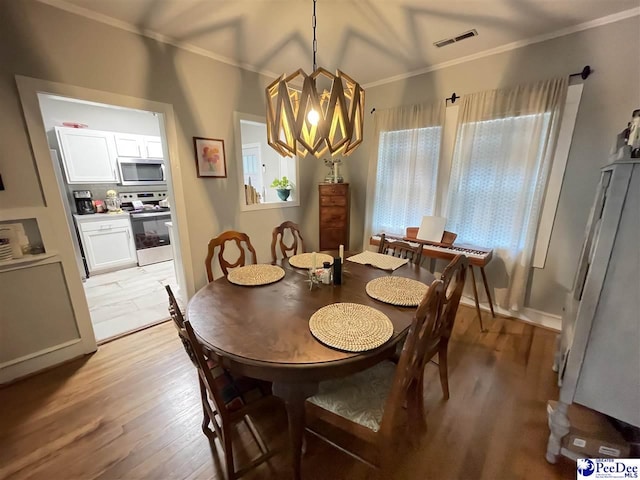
359, 398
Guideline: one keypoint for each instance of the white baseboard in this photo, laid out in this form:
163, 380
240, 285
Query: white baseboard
528, 315
37, 361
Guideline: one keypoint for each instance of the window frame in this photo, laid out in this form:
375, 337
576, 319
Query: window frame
556, 173
239, 117
435, 175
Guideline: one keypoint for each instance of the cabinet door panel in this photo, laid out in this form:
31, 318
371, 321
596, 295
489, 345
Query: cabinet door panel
129, 145
108, 248
591, 236
87, 156
153, 147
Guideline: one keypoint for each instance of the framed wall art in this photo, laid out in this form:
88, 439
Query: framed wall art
210, 157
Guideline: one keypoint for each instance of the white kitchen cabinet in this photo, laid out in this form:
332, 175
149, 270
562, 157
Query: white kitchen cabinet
107, 241
153, 147
599, 348
88, 156
128, 145
138, 146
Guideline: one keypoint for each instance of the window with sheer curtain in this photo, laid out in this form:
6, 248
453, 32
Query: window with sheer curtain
404, 170
497, 192
502, 157
406, 178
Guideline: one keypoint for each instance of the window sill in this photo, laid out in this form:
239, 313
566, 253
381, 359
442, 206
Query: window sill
267, 206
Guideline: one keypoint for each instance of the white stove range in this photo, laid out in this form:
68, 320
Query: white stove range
148, 222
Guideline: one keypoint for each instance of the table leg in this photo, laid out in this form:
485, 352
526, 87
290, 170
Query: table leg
475, 295
486, 289
294, 396
432, 265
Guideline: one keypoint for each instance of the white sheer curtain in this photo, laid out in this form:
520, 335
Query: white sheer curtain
404, 170
504, 148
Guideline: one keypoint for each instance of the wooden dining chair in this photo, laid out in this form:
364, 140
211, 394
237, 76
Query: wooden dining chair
400, 249
178, 321
278, 238
453, 279
370, 405
242, 242
228, 400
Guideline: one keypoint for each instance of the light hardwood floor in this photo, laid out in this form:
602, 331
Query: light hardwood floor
132, 411
130, 299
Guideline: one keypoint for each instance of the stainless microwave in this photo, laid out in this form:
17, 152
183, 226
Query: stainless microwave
141, 171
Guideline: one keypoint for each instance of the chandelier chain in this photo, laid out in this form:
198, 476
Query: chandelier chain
315, 42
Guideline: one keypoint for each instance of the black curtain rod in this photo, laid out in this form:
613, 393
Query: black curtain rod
586, 71
452, 98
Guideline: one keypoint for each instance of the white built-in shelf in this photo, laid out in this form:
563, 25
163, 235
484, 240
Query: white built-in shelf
26, 260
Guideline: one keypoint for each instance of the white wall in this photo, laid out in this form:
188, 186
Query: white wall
55, 111
610, 94
40, 41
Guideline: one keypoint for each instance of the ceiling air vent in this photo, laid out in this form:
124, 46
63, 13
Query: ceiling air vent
457, 38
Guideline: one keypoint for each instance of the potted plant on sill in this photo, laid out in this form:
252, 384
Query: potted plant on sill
283, 187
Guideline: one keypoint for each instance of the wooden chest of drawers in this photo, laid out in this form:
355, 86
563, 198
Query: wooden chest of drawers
334, 215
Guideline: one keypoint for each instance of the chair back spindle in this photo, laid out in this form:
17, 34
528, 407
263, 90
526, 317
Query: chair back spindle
278, 239
243, 244
422, 333
453, 279
400, 249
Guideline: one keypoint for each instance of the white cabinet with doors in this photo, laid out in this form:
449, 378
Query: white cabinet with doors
599, 347
107, 241
138, 146
128, 145
88, 156
152, 147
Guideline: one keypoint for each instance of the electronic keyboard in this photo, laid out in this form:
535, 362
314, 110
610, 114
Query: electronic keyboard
478, 256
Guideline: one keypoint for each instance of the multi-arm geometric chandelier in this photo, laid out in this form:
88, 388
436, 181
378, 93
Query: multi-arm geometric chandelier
305, 119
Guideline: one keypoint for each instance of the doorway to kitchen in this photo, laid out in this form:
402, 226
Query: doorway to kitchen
111, 168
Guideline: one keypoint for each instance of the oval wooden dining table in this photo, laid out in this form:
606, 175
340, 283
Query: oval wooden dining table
263, 332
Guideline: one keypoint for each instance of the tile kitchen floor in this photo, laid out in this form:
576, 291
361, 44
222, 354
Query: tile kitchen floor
127, 300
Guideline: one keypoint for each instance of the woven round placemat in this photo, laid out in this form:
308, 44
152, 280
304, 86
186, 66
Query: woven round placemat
303, 260
255, 275
397, 291
351, 327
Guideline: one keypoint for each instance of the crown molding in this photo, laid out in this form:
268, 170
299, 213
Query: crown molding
99, 17
598, 22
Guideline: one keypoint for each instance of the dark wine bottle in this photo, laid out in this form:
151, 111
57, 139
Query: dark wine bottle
337, 271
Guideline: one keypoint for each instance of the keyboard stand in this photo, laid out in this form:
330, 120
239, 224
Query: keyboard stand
475, 294
447, 251
438, 254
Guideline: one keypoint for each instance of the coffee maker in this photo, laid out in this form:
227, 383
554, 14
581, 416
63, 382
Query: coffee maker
84, 202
